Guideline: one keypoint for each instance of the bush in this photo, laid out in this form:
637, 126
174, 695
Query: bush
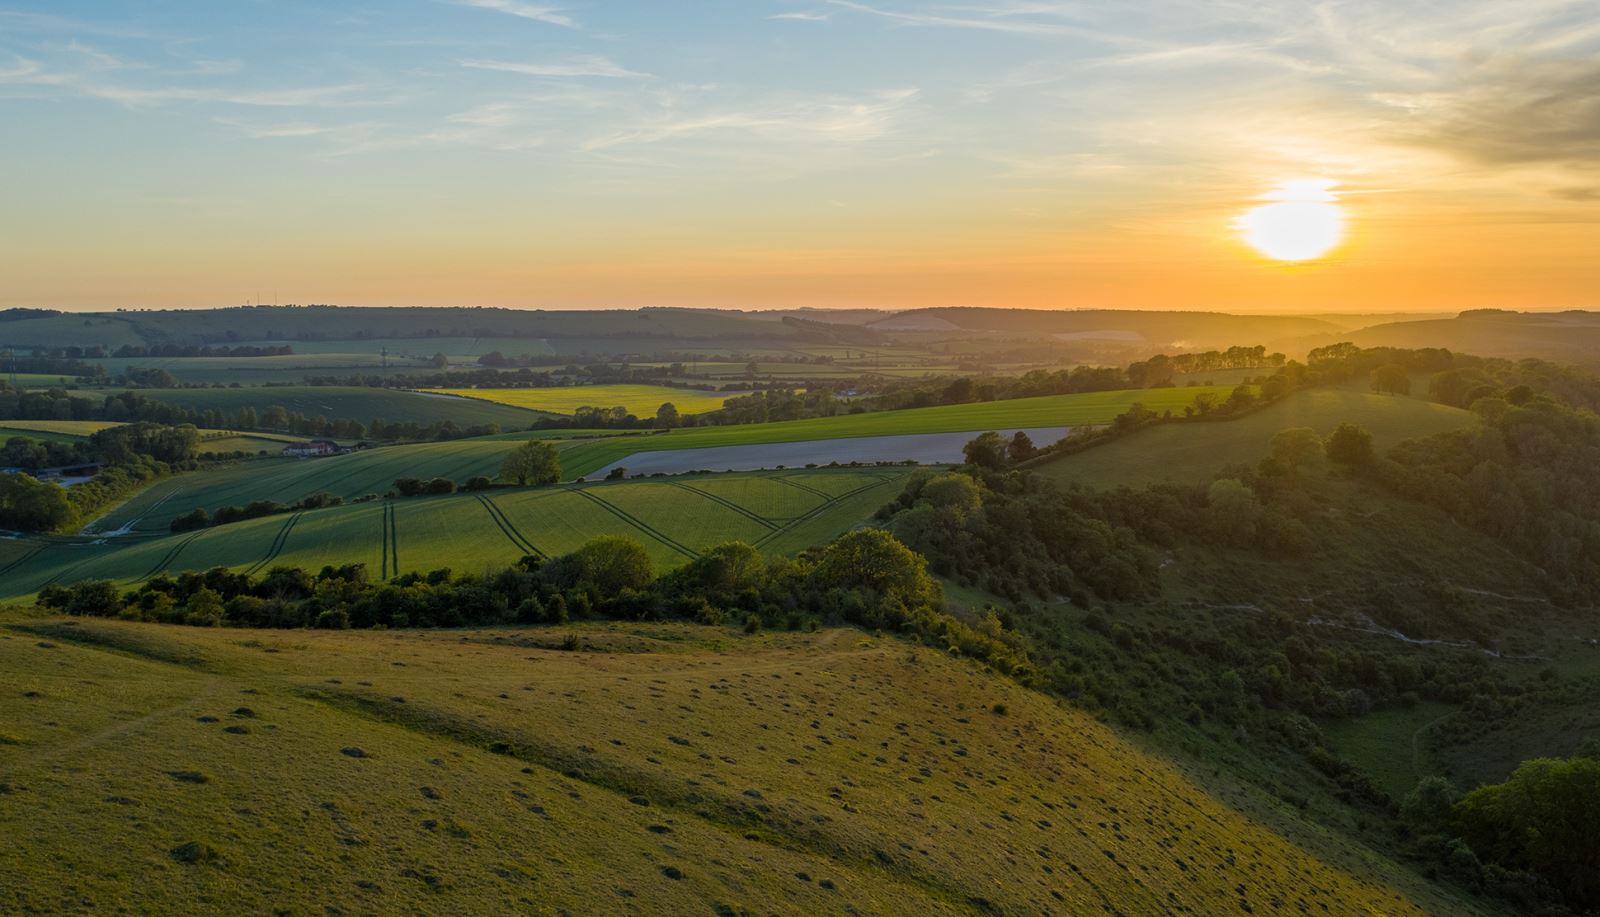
92, 598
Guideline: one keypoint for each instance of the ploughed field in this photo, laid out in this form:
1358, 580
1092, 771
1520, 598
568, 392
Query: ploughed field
778, 512
657, 768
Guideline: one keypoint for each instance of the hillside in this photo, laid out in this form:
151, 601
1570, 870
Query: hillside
1162, 331
1564, 336
686, 767
1195, 452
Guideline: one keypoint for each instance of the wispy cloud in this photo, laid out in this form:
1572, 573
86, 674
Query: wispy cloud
26, 72
538, 12
800, 16
1011, 19
572, 67
830, 120
1510, 110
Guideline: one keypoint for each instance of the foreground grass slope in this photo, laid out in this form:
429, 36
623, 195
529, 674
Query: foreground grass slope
778, 512
669, 768
1195, 452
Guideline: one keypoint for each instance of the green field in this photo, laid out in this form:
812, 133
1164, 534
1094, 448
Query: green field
1195, 452
374, 471
639, 400
657, 769
779, 512
1045, 411
356, 474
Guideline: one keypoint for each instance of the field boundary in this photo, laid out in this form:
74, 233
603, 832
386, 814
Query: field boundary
805, 487
638, 523
509, 528
276, 547
391, 543
721, 501
170, 556
833, 502
27, 555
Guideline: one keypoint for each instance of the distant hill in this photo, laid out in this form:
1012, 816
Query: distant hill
1159, 330
1567, 336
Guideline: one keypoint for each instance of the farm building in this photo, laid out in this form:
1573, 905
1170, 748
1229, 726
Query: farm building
311, 449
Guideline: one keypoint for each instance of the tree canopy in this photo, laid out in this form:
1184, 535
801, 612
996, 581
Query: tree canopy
533, 462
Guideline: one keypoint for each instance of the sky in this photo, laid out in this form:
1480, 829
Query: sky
786, 153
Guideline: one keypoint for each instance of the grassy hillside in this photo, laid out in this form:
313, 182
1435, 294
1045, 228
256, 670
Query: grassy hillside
639, 400
1565, 336
1195, 452
779, 512
690, 768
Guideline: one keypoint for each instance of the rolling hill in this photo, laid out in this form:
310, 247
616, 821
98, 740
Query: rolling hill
1195, 452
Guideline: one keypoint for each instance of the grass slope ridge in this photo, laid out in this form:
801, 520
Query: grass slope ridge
683, 766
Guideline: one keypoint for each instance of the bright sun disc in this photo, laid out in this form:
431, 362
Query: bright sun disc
1302, 222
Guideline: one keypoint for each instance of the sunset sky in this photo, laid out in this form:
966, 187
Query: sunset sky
764, 153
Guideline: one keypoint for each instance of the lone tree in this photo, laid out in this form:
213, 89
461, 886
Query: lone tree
667, 416
1295, 447
1021, 447
533, 462
1349, 444
986, 451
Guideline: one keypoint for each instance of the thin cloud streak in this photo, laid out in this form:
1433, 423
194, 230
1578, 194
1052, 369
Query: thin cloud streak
578, 67
536, 12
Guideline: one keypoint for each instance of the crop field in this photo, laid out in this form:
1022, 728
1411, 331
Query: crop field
1195, 452
778, 512
38, 380
639, 400
1046, 411
358, 404
71, 428
287, 480
688, 767
244, 442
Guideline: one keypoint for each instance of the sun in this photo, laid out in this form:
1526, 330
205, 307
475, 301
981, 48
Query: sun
1302, 221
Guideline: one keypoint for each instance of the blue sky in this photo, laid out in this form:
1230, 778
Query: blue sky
768, 152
